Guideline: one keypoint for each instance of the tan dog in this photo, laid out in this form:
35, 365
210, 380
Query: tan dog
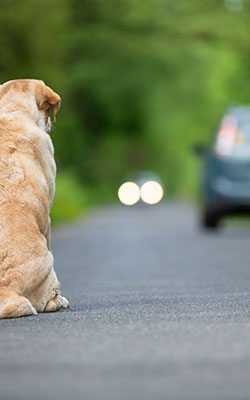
28, 283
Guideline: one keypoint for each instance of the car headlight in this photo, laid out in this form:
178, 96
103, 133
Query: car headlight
129, 193
151, 192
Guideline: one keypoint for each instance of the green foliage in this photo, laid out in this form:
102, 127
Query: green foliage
70, 198
141, 82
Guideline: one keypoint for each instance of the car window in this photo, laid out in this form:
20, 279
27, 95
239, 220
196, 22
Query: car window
244, 128
241, 148
233, 139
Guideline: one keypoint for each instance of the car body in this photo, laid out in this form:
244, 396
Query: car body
226, 174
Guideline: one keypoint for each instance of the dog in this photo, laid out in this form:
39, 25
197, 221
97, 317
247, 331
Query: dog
28, 282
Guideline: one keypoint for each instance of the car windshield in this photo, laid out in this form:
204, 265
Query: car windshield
241, 148
244, 129
233, 138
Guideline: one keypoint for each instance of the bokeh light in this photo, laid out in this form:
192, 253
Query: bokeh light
129, 193
151, 192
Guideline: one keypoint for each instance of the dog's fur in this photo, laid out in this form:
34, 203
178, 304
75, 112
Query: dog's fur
28, 283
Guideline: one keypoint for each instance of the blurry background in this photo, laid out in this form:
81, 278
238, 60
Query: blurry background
141, 82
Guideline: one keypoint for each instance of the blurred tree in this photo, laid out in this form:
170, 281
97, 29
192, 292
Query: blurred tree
141, 82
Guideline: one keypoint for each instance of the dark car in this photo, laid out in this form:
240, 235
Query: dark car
226, 175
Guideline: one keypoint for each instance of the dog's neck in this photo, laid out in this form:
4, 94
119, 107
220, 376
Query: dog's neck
26, 108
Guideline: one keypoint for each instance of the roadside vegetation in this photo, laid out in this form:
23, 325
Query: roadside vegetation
141, 83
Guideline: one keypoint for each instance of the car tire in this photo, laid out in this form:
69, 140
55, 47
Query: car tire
210, 219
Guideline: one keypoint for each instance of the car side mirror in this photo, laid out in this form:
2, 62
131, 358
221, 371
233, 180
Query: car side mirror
200, 150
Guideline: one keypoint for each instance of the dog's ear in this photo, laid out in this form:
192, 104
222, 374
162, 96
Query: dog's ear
47, 99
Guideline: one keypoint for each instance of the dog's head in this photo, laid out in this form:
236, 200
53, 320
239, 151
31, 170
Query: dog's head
32, 96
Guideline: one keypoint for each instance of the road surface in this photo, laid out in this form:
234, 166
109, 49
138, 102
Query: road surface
158, 311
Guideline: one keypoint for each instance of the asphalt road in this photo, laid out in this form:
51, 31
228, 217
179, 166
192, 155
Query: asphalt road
158, 311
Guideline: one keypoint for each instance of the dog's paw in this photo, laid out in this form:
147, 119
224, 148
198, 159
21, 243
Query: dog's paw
16, 306
63, 302
56, 303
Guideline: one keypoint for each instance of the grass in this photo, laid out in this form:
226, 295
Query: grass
70, 200
73, 200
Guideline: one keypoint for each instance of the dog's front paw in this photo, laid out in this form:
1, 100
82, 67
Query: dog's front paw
56, 303
63, 302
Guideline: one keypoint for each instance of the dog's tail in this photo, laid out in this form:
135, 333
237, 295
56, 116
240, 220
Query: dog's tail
12, 305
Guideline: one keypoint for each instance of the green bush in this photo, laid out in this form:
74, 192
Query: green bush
70, 198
